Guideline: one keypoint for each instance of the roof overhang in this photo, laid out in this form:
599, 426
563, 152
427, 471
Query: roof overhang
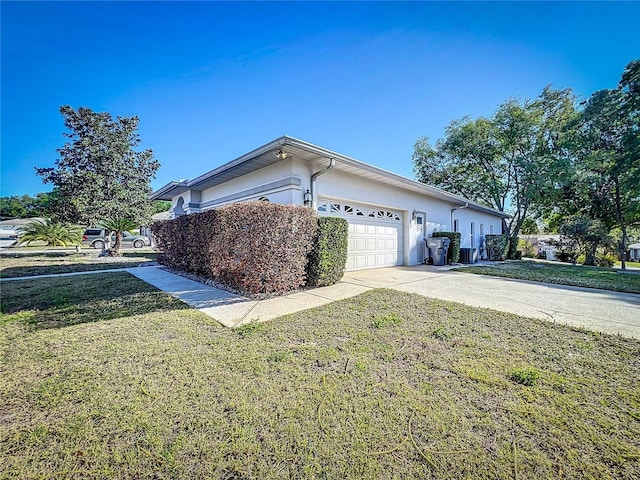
268, 155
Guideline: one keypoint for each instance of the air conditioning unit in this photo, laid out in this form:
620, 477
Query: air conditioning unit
468, 255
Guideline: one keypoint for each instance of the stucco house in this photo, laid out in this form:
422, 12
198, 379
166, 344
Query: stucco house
389, 215
634, 252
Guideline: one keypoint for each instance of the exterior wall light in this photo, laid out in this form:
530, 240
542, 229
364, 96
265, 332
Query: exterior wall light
307, 198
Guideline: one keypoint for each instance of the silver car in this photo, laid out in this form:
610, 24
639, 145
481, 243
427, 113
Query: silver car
94, 237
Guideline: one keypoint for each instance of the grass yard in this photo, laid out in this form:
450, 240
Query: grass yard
113, 379
563, 274
629, 264
24, 264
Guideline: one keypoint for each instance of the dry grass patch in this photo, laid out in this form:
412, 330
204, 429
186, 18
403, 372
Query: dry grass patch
384, 385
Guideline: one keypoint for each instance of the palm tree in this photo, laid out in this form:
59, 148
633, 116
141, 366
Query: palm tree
52, 233
118, 226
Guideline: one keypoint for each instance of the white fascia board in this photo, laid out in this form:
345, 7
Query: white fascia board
427, 189
168, 191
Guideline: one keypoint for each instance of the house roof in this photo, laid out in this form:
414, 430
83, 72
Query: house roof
20, 221
156, 217
634, 245
268, 155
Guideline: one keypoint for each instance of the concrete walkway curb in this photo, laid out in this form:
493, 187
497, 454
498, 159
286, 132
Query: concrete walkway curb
233, 310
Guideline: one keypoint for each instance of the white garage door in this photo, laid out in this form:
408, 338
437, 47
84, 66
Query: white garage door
375, 233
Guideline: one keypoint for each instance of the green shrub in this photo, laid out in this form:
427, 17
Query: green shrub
525, 376
442, 333
328, 258
253, 247
606, 260
496, 246
453, 254
51, 233
602, 260
390, 319
248, 329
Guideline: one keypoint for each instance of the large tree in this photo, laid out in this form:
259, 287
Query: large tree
26, 206
604, 185
510, 161
99, 177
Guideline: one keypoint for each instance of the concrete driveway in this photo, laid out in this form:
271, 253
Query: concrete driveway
611, 312
600, 310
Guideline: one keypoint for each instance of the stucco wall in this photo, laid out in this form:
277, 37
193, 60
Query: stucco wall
286, 181
341, 186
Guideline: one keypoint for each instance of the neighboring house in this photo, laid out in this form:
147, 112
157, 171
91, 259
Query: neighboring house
542, 243
156, 217
634, 252
12, 228
389, 215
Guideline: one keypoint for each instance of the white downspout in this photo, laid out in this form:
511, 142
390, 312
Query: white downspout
454, 209
314, 195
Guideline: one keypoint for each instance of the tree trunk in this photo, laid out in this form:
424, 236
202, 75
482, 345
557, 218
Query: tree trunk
623, 247
590, 254
115, 251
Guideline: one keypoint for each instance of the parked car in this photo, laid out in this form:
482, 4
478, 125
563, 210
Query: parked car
10, 231
94, 237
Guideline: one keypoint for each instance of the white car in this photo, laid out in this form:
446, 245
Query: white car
9, 231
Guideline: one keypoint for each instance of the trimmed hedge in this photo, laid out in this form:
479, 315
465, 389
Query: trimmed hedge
253, 247
497, 246
328, 258
453, 254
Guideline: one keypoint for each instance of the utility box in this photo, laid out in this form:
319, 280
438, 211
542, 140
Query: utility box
468, 255
438, 248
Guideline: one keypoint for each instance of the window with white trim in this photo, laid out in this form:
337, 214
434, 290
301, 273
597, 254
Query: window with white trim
473, 231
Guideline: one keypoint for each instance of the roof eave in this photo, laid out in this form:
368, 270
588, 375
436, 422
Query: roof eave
430, 190
170, 190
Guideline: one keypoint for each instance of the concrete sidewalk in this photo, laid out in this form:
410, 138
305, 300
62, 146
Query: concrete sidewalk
600, 310
232, 310
605, 311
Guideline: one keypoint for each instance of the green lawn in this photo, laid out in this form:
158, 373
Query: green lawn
563, 274
113, 379
25, 263
629, 264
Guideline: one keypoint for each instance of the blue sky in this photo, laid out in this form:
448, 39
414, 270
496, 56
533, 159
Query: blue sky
212, 81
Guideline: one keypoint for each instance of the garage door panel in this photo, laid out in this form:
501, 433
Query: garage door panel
375, 234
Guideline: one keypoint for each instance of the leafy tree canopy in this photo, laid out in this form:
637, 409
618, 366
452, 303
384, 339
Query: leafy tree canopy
26, 206
604, 185
98, 174
509, 162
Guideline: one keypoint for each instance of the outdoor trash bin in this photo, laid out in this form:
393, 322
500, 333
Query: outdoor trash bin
438, 247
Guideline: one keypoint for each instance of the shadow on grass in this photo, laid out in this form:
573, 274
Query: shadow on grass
62, 302
47, 263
